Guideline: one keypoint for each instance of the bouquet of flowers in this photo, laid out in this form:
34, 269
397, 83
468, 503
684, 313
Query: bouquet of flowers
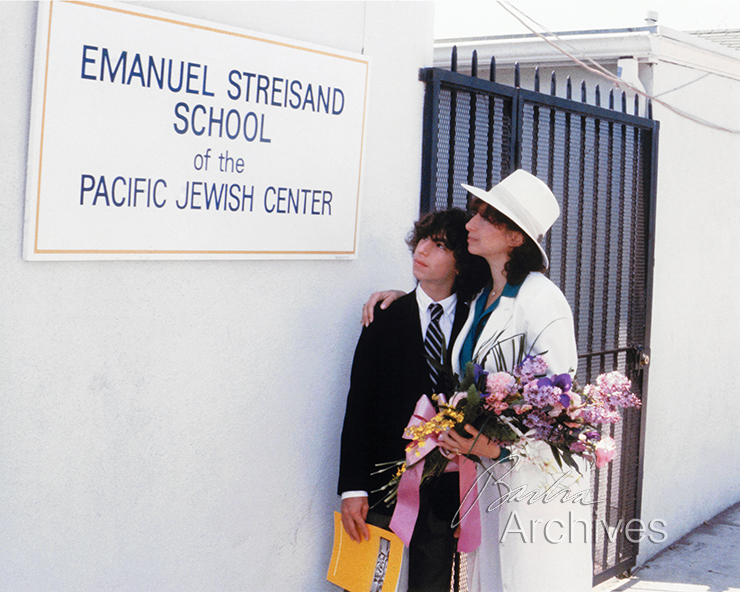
514, 409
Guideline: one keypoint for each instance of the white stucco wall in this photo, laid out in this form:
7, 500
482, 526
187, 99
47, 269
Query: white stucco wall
174, 425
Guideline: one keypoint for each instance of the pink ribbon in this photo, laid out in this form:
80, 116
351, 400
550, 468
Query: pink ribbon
469, 513
407, 504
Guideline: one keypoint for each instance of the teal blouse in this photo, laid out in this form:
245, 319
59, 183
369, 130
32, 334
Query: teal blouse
480, 319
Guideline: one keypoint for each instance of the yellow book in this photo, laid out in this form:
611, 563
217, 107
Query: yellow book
367, 566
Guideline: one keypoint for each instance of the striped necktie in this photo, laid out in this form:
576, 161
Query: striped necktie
434, 341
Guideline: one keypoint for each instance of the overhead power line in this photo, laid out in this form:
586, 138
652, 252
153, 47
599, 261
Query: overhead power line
599, 70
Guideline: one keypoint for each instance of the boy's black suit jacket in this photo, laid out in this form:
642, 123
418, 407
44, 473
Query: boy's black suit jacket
389, 374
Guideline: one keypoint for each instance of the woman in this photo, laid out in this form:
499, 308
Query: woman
540, 542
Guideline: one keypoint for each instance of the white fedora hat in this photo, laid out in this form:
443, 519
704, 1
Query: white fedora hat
527, 201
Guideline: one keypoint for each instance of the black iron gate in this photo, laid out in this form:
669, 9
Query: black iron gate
601, 163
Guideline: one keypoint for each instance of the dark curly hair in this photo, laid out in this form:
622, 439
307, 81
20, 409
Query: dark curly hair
524, 258
448, 226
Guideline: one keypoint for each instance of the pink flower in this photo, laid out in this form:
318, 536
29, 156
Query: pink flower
500, 385
557, 409
605, 451
575, 400
497, 406
614, 382
574, 410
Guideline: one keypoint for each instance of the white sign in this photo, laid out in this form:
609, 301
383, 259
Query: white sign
158, 136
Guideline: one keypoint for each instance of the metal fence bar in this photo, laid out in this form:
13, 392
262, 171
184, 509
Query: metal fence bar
579, 217
451, 148
594, 241
551, 154
620, 236
566, 199
536, 128
472, 126
491, 128
627, 548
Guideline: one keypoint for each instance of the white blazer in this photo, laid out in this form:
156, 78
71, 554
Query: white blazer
515, 554
541, 314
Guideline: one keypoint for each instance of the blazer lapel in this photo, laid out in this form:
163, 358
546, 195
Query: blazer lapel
499, 329
461, 315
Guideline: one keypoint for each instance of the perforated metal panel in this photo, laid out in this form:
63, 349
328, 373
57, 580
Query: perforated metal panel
600, 163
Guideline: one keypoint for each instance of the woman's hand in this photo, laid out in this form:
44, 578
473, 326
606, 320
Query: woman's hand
385, 298
478, 445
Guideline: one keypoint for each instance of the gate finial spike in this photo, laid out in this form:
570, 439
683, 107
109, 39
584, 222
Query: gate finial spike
553, 84
492, 71
597, 96
474, 64
584, 93
517, 76
568, 89
453, 59
537, 79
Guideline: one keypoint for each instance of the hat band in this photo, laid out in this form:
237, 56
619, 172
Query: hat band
529, 223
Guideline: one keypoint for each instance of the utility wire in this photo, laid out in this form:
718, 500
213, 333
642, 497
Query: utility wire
599, 70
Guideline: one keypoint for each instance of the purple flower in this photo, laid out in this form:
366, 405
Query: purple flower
531, 367
578, 446
542, 393
596, 414
540, 424
479, 378
545, 382
563, 381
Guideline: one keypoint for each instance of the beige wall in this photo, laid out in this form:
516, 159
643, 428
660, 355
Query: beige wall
174, 425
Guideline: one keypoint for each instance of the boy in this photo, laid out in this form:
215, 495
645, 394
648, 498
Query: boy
389, 373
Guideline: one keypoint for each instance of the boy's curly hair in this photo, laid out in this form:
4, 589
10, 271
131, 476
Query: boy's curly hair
448, 226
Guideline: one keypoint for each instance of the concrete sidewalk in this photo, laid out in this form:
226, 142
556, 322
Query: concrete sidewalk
705, 560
